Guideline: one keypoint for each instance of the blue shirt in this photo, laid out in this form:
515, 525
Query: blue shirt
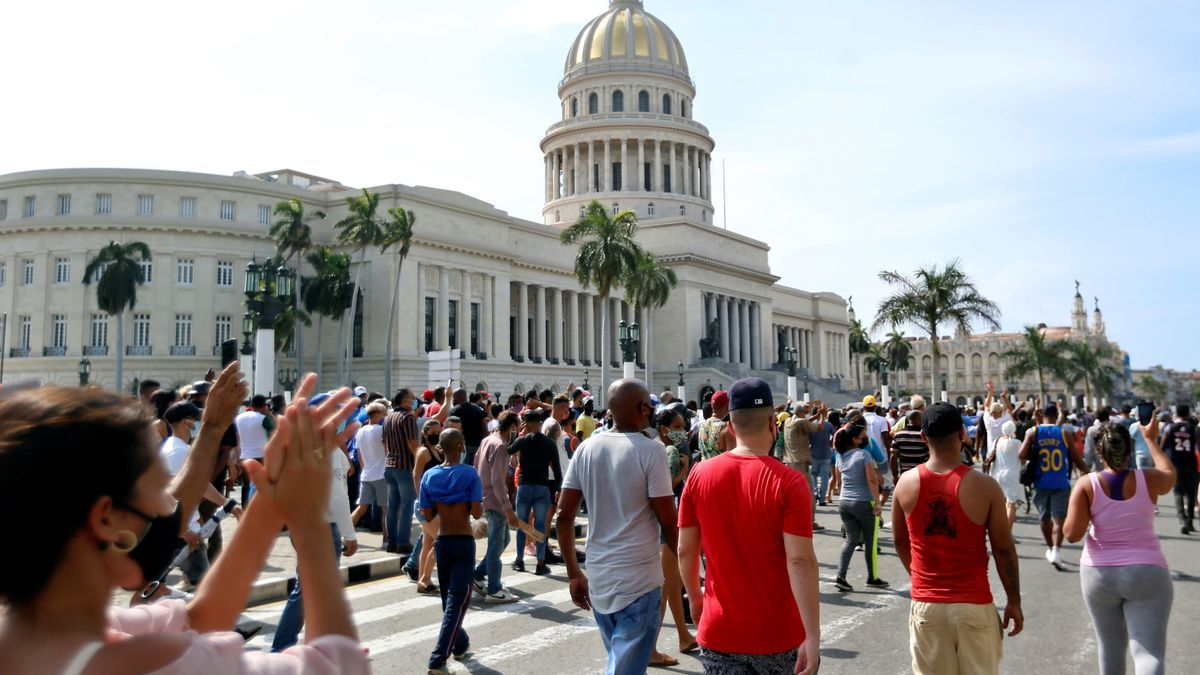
1054, 458
450, 485
820, 443
876, 451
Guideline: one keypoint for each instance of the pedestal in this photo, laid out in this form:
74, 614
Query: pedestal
264, 362
884, 399
791, 387
629, 370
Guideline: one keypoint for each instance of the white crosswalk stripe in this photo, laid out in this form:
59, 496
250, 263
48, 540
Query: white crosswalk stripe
528, 644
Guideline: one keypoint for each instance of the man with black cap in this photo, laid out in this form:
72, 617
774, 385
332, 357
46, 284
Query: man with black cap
941, 513
752, 516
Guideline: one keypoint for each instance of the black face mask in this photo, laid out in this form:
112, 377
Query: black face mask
158, 548
864, 443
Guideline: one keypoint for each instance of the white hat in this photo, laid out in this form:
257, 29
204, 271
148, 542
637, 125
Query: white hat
360, 390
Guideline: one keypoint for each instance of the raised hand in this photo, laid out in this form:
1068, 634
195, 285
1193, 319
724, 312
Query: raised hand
225, 397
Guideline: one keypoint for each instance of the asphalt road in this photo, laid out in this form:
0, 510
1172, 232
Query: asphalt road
862, 632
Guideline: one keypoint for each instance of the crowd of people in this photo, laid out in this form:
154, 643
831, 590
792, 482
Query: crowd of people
705, 508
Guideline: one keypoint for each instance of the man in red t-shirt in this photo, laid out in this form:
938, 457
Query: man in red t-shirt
942, 513
752, 515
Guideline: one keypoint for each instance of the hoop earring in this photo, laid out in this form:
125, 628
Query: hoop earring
125, 542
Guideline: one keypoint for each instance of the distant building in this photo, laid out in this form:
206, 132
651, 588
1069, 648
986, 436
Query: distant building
1181, 385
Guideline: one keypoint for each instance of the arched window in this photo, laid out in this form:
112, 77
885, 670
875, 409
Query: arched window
574, 106
615, 208
666, 104
683, 107
557, 216
682, 210
650, 209
643, 101
618, 103
593, 103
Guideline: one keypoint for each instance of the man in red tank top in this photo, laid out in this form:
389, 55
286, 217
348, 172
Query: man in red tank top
941, 513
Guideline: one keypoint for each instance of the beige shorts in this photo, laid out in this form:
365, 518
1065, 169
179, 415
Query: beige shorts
949, 638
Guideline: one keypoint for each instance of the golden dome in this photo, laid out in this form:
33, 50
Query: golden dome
626, 37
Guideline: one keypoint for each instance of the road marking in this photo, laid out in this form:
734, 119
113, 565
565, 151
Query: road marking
528, 644
832, 631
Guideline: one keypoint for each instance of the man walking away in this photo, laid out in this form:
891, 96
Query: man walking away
492, 464
940, 515
623, 476
753, 519
474, 423
1182, 445
1052, 491
254, 428
452, 491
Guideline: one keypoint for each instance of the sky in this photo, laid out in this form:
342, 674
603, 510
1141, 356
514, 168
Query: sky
1038, 143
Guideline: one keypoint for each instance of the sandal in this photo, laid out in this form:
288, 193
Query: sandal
666, 661
430, 589
695, 646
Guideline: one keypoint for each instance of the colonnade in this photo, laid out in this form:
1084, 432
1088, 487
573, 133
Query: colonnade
602, 165
457, 309
737, 328
793, 337
559, 326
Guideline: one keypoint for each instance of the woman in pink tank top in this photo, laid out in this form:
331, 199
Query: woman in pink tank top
1124, 574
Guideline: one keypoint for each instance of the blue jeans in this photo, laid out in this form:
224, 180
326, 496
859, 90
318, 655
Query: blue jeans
414, 559
497, 541
455, 560
402, 497
820, 477
534, 498
292, 619
629, 634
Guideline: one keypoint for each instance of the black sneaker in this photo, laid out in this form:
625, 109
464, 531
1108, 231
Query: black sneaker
518, 566
552, 557
404, 549
877, 583
843, 585
542, 569
412, 573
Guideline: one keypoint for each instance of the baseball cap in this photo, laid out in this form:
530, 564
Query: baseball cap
577, 392
868, 401
941, 420
427, 395
360, 390
199, 388
181, 411
750, 392
721, 398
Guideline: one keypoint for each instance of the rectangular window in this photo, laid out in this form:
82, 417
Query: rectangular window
59, 337
103, 203
3, 209
3, 274
27, 273
224, 328
453, 324
647, 173
264, 214
183, 330
228, 209
187, 207
145, 205
616, 169
666, 178
185, 271
99, 330
30, 207
62, 270
429, 324
64, 205
141, 330
147, 270
596, 177
474, 327
26, 333
224, 274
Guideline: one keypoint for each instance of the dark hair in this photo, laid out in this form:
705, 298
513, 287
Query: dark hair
589, 407
691, 405
666, 416
161, 400
148, 384
707, 410
1050, 411
1126, 409
1022, 415
546, 396
495, 409
474, 397
453, 418
397, 400
440, 392
103, 441
507, 420
835, 418
844, 441
1103, 414
374, 396
258, 401
1115, 445
1183, 411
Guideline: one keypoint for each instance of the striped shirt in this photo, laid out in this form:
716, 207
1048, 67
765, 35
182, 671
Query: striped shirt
910, 448
398, 429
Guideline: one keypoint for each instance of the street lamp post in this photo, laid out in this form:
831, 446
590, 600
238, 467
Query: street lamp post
790, 355
884, 398
806, 387
629, 338
287, 380
85, 371
945, 393
268, 293
585, 380
247, 362
681, 390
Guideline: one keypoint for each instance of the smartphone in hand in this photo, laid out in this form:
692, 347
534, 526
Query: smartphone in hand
229, 353
1145, 412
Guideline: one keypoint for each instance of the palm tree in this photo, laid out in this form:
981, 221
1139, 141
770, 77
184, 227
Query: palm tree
648, 285
607, 251
359, 230
1153, 388
934, 297
897, 349
877, 360
1036, 355
398, 232
1093, 365
293, 238
859, 343
117, 271
327, 293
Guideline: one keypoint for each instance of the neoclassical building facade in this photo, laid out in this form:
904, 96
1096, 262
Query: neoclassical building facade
498, 289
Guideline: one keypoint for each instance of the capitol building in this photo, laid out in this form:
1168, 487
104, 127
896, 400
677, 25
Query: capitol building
496, 289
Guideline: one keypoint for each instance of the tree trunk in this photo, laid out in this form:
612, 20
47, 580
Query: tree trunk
1041, 386
602, 394
858, 370
320, 353
297, 328
649, 345
934, 366
120, 387
391, 327
348, 347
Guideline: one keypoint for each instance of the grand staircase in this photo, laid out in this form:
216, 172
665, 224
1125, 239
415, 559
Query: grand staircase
719, 375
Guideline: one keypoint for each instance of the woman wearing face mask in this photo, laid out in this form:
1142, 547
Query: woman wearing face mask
57, 592
430, 455
854, 469
672, 433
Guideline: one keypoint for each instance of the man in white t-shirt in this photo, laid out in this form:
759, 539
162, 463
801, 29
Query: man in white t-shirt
878, 427
624, 478
997, 413
182, 418
372, 489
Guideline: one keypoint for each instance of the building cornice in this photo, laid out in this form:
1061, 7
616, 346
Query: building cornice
160, 177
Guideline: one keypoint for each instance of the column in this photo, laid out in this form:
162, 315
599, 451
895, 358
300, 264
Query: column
641, 166
607, 166
591, 177
755, 361
571, 350
674, 172
735, 332
539, 324
559, 179
485, 322
656, 175
589, 328
420, 309
556, 327
443, 313
723, 319
575, 179
708, 177
522, 319
626, 185
744, 333
464, 313
700, 173
687, 171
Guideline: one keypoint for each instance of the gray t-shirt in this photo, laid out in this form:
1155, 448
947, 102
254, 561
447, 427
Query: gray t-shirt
853, 465
619, 474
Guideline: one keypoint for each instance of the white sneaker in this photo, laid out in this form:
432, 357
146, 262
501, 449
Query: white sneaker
1050, 556
1057, 561
480, 586
500, 597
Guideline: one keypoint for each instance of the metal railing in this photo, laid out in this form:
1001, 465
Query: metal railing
95, 350
54, 351
18, 352
139, 350
183, 350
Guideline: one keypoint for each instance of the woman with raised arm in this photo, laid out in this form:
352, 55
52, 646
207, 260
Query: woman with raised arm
56, 594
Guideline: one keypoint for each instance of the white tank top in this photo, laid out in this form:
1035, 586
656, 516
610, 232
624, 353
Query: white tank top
252, 437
